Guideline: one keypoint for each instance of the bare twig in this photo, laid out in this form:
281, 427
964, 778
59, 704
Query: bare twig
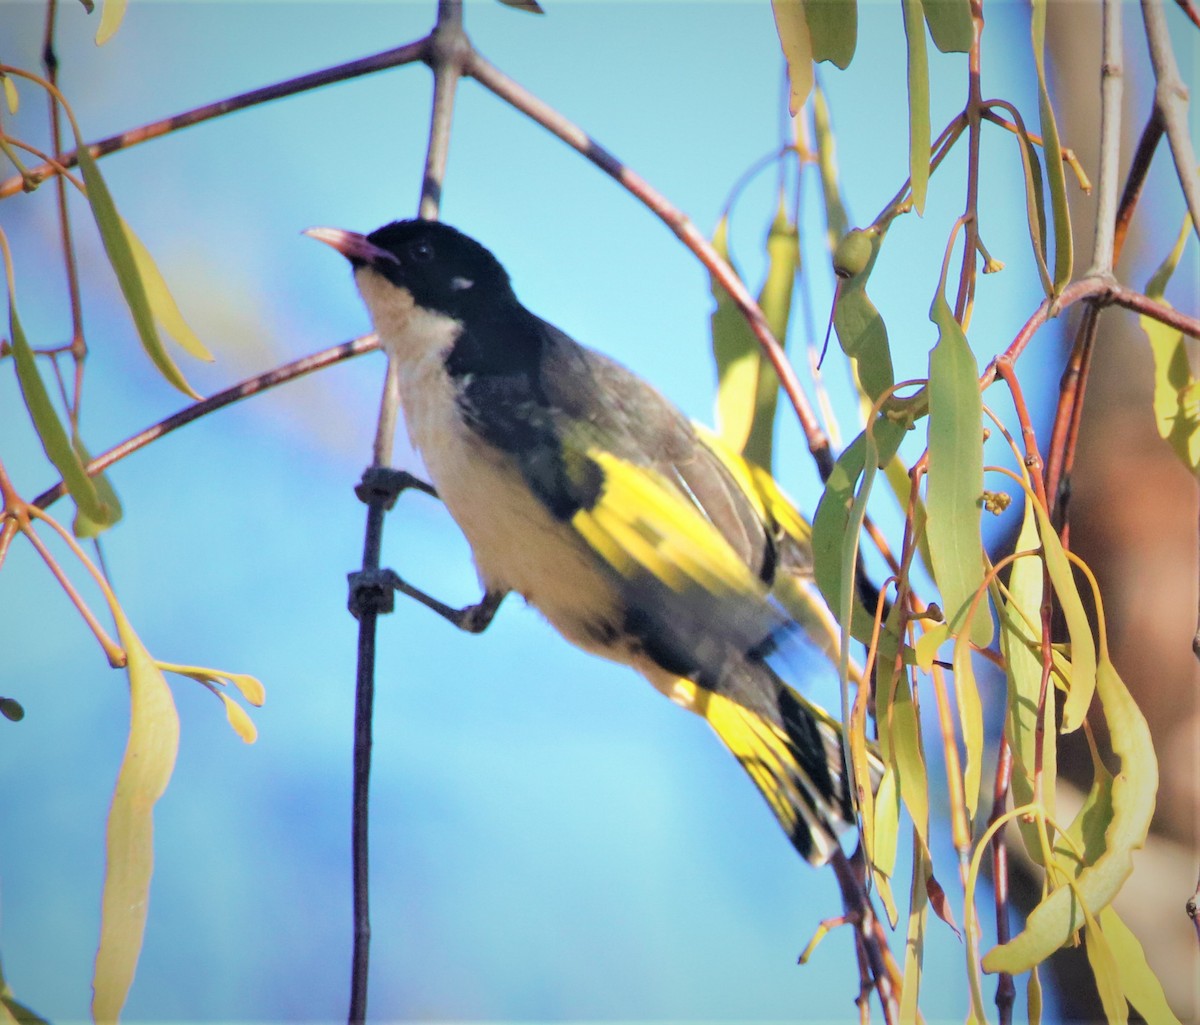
235, 393
1189, 9
406, 54
970, 219
1171, 99
1111, 92
1138, 168
1005, 989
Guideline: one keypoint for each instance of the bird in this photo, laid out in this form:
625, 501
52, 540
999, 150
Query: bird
633, 531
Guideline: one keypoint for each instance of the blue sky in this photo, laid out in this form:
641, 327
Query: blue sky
551, 839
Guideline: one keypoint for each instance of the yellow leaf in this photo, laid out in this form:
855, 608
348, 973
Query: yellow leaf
145, 770
1083, 646
792, 25
1138, 981
10, 94
1021, 641
1055, 920
162, 303
110, 20
238, 719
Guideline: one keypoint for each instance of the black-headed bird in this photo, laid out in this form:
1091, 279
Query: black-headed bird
581, 488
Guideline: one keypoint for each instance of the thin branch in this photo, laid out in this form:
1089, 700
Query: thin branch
399, 55
504, 87
970, 219
1005, 990
78, 345
1111, 92
1138, 168
448, 51
242, 390
1171, 99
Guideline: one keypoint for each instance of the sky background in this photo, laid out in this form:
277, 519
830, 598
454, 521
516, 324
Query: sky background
550, 838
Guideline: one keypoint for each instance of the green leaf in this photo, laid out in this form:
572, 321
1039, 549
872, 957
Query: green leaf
51, 432
792, 25
1083, 645
84, 525
832, 30
859, 325
1035, 203
1055, 920
955, 475
1105, 972
836, 222
832, 520
950, 24
125, 265
970, 716
775, 299
1033, 997
918, 103
1176, 391
737, 355
1138, 981
145, 771
914, 942
111, 16
1056, 176
162, 302
1020, 642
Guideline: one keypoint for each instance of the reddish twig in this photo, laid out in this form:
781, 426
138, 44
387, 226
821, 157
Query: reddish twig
1138, 168
970, 219
399, 55
242, 390
1006, 991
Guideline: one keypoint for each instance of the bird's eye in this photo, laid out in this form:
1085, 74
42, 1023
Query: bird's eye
421, 252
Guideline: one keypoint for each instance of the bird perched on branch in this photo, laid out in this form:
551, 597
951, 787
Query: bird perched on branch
581, 488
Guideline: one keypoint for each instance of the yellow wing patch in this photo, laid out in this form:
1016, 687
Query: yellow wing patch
641, 522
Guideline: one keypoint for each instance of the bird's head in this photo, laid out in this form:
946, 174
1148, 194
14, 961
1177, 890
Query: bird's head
422, 264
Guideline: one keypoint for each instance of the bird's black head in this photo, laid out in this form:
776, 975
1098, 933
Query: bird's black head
445, 270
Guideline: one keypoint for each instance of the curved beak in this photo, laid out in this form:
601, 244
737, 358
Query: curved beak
356, 248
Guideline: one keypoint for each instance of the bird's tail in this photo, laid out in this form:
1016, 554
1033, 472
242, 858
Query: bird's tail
795, 758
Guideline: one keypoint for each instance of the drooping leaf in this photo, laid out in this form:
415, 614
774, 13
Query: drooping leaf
775, 299
84, 525
10, 93
50, 429
1056, 919
832, 520
145, 770
1105, 972
792, 26
918, 102
1138, 981
162, 302
970, 717
1083, 645
950, 24
1176, 391
914, 941
832, 30
125, 266
836, 222
859, 325
1056, 177
1020, 641
737, 355
531, 6
111, 16
955, 475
